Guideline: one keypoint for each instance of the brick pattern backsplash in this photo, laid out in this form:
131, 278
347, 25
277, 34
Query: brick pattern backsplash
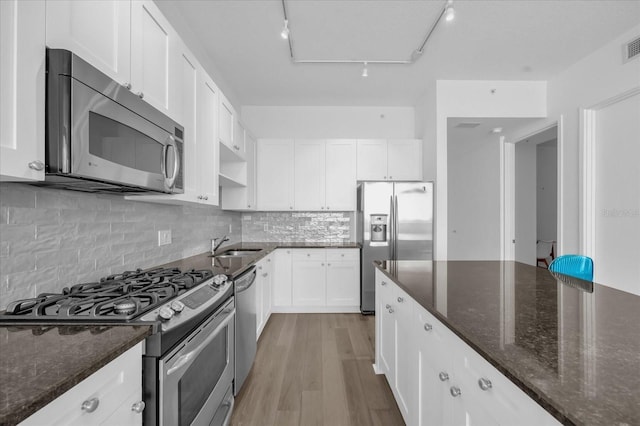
50, 239
297, 226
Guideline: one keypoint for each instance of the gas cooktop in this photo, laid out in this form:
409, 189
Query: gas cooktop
115, 298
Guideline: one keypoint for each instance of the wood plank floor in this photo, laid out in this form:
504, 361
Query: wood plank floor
315, 369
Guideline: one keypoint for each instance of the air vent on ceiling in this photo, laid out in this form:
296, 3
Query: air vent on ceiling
631, 49
467, 125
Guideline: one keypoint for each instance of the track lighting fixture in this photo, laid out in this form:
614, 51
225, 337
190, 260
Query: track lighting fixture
446, 11
285, 30
449, 12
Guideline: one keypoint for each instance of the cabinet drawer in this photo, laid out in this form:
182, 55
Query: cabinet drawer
111, 386
342, 254
308, 254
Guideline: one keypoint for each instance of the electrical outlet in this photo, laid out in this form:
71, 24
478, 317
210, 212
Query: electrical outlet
266, 227
231, 228
164, 237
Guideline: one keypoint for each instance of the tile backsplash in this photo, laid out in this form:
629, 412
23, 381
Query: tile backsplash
50, 239
298, 226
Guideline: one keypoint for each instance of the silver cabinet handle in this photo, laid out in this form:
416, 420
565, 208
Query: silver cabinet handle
140, 95
455, 391
328, 264
390, 177
385, 177
268, 260
265, 274
260, 267
322, 264
383, 282
205, 198
400, 300
388, 306
485, 384
248, 205
427, 326
199, 197
90, 405
328, 207
322, 208
291, 208
236, 147
390, 310
138, 407
127, 86
36, 165
444, 376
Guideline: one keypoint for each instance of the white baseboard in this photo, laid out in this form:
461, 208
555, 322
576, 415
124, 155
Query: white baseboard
315, 309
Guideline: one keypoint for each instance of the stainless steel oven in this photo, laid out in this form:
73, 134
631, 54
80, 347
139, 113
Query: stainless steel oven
100, 137
195, 379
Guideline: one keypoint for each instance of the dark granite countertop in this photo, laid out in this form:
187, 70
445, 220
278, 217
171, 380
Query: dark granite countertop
575, 347
38, 363
232, 267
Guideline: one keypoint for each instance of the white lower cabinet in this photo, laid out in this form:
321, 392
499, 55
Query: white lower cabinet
110, 396
436, 378
263, 284
317, 280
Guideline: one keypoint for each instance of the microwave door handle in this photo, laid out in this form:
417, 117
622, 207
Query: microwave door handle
184, 359
170, 181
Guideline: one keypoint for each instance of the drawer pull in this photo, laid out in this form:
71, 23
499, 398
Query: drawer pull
485, 384
383, 282
388, 306
90, 405
138, 407
427, 326
444, 376
400, 300
390, 310
36, 165
455, 391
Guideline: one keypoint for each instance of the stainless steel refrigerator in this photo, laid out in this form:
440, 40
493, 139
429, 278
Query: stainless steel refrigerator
394, 222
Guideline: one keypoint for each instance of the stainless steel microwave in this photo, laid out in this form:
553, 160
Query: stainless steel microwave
101, 137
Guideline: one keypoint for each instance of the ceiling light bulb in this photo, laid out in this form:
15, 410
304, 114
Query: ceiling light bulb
285, 30
496, 130
365, 72
449, 13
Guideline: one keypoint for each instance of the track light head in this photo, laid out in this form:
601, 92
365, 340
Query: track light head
449, 13
365, 71
285, 30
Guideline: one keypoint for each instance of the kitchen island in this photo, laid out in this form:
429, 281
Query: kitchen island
573, 348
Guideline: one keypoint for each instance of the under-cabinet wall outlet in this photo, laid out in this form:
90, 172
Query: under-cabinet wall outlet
164, 237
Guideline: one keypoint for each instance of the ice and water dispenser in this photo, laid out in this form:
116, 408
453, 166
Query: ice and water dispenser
378, 228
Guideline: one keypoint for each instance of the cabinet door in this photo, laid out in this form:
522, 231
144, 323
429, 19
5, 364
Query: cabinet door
267, 289
282, 278
275, 174
239, 137
22, 47
405, 361
154, 57
387, 335
309, 177
208, 148
372, 159
99, 31
309, 279
250, 156
343, 277
227, 121
259, 285
340, 191
188, 90
404, 159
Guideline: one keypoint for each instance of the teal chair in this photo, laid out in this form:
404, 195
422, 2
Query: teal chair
573, 265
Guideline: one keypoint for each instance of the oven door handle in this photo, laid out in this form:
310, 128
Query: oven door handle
184, 359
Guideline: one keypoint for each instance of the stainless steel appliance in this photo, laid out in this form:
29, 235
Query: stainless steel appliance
101, 137
394, 222
188, 365
246, 333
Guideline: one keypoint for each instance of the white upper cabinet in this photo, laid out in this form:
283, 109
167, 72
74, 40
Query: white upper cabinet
239, 136
243, 197
227, 123
275, 174
395, 159
404, 159
22, 46
340, 183
206, 129
98, 31
154, 57
130, 41
309, 180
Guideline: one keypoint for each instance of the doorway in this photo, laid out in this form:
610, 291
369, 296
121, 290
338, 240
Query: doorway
535, 197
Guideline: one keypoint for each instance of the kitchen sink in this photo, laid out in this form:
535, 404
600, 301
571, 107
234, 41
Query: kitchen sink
238, 253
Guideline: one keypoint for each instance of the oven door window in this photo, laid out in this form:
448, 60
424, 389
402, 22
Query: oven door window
202, 376
121, 144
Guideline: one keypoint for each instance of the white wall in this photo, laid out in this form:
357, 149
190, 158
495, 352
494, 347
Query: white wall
473, 198
525, 202
329, 121
477, 99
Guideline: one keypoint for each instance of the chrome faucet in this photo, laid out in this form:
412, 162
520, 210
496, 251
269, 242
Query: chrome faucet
215, 246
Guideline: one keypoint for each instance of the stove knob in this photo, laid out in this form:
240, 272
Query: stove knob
177, 306
165, 313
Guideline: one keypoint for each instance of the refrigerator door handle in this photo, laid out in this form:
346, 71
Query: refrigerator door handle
392, 243
395, 227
